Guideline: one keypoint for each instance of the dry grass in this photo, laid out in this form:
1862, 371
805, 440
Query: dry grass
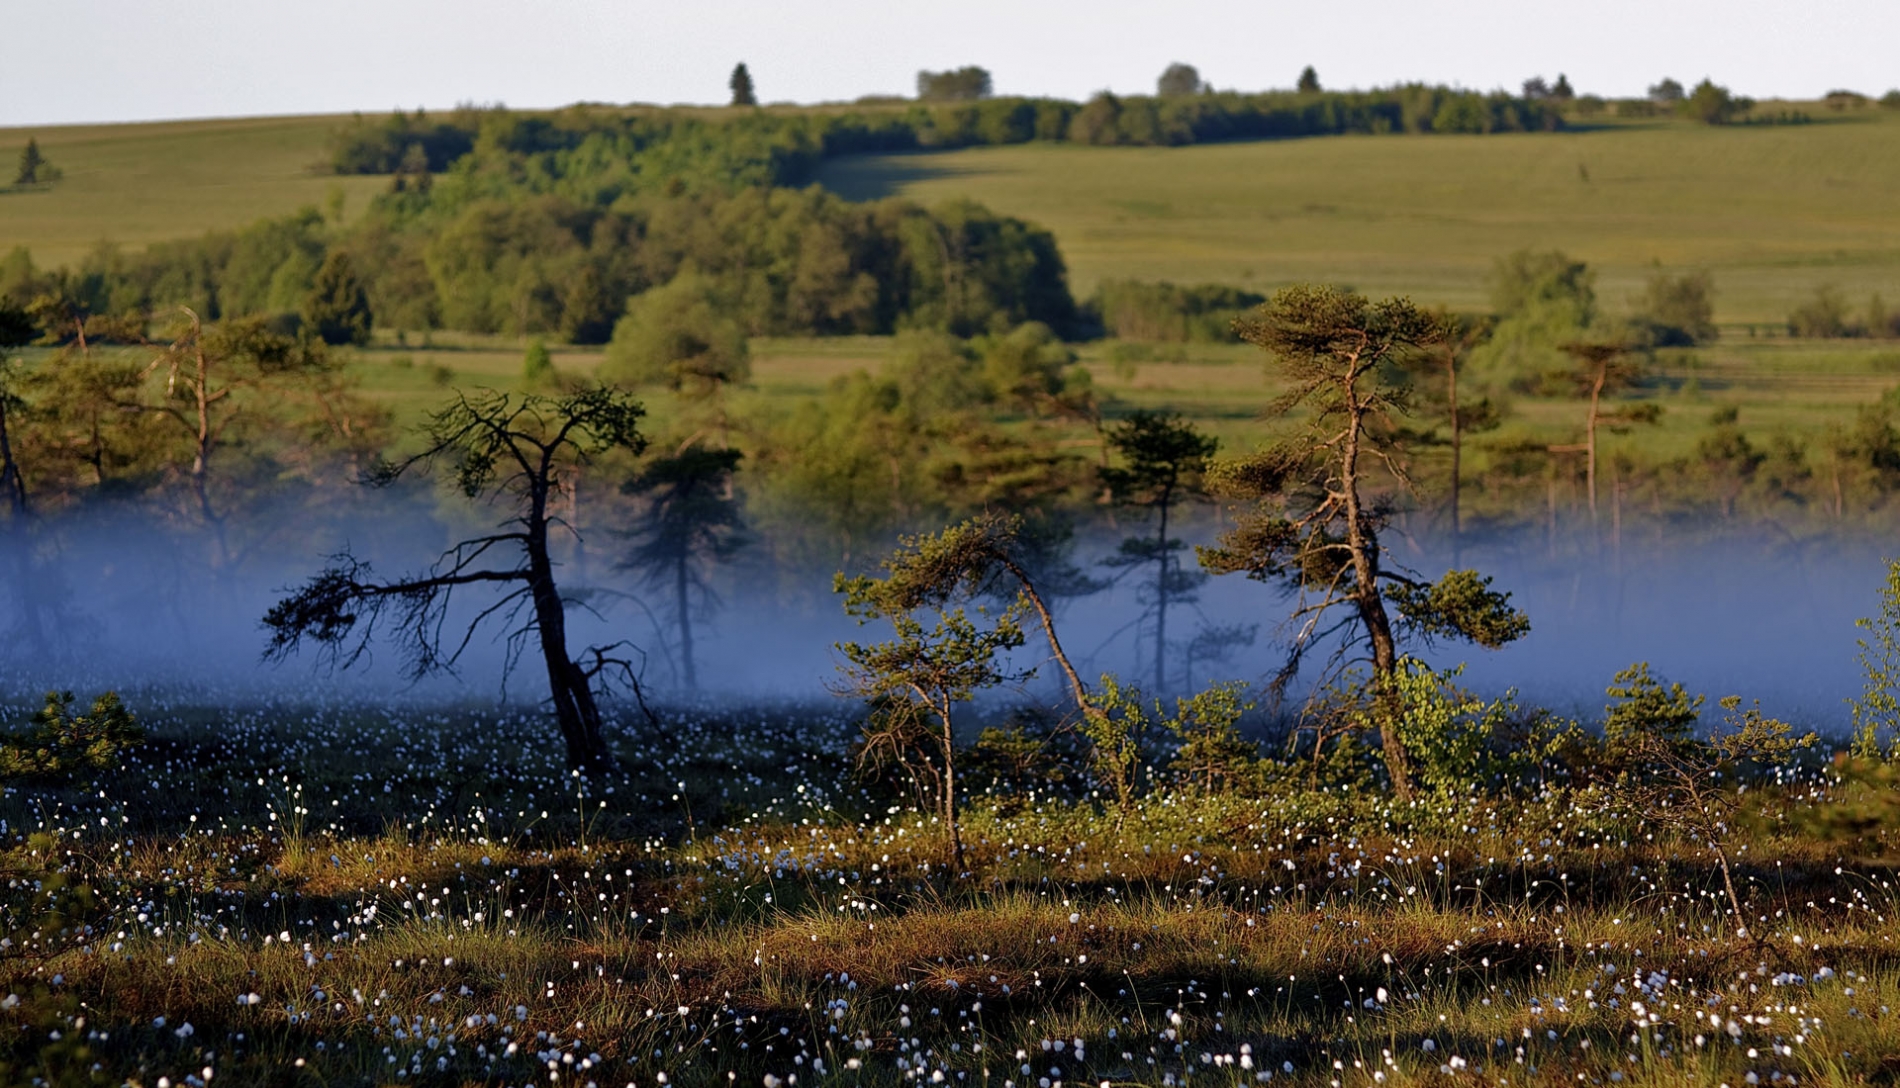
810, 928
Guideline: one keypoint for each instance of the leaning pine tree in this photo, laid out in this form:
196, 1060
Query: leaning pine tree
514, 453
1311, 512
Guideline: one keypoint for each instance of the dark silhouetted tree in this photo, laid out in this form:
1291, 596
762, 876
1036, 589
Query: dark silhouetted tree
1712, 104
1309, 81
692, 521
1668, 92
337, 308
1162, 457
741, 86
1179, 80
1311, 515
34, 168
514, 453
965, 84
16, 328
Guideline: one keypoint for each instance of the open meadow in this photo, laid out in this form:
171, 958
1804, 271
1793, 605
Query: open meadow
135, 184
1776, 385
1771, 211
326, 893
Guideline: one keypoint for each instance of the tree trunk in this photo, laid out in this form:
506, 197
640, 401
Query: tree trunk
1363, 546
1590, 440
1161, 601
685, 619
950, 788
16, 538
1076, 689
12, 480
201, 459
568, 686
1457, 452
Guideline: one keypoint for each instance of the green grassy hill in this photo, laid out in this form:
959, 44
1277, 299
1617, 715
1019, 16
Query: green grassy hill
135, 184
1773, 212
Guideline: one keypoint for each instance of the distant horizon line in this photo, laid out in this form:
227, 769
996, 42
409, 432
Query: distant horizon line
871, 99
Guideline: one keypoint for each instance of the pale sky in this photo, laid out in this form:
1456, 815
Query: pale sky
102, 60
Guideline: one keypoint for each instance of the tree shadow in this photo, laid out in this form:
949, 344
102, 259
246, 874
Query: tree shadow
876, 177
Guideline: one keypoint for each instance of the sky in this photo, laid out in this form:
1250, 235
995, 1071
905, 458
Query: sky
117, 60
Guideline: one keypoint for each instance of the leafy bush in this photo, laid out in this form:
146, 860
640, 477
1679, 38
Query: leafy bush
1448, 731
61, 743
1877, 711
1712, 104
1118, 739
1825, 316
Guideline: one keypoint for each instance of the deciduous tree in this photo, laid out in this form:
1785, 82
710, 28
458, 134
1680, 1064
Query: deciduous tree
1179, 80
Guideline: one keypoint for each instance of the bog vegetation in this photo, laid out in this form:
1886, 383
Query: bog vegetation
983, 862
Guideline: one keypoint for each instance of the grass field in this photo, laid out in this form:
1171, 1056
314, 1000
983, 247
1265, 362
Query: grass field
330, 894
134, 184
1773, 212
1778, 385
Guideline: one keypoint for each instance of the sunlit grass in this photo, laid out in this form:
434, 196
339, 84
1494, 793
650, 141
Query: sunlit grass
400, 895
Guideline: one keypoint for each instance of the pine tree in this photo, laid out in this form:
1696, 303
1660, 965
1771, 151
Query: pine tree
741, 84
337, 309
1309, 81
34, 169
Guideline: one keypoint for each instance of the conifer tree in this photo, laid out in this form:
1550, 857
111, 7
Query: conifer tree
741, 84
337, 308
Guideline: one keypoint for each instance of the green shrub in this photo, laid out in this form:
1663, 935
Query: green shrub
1877, 711
1165, 312
61, 743
1447, 730
1213, 755
1644, 714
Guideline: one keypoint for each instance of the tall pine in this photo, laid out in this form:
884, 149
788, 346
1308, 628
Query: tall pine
741, 84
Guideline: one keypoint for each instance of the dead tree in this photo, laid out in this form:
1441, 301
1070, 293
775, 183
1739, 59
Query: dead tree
511, 453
